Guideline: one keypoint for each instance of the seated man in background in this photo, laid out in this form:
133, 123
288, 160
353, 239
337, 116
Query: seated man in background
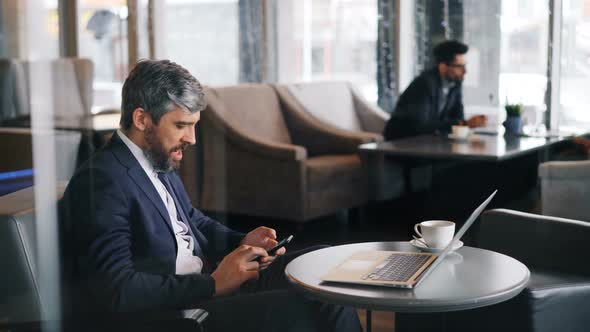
433, 102
139, 245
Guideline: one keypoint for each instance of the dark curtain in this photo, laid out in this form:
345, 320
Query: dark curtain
251, 34
436, 21
3, 36
386, 56
456, 22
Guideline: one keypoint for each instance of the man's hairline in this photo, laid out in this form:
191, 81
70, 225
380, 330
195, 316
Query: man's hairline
177, 107
454, 58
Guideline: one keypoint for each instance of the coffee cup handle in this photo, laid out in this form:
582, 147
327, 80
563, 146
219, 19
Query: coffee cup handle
416, 230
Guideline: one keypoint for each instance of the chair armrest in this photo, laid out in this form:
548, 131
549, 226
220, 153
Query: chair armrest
373, 118
317, 136
540, 242
565, 189
237, 137
257, 178
186, 320
574, 170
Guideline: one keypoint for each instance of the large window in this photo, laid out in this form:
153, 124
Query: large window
30, 29
202, 36
508, 42
523, 61
575, 65
329, 40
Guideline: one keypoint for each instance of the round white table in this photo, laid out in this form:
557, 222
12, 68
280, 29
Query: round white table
468, 278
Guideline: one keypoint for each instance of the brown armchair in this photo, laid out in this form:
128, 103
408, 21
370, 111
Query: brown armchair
338, 103
262, 155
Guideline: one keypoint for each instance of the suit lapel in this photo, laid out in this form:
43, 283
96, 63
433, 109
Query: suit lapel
179, 208
436, 87
142, 181
137, 174
201, 242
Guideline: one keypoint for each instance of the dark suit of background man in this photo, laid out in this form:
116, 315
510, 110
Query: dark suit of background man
433, 102
140, 245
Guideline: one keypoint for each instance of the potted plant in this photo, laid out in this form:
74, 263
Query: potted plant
513, 123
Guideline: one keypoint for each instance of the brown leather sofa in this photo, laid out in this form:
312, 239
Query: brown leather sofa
260, 154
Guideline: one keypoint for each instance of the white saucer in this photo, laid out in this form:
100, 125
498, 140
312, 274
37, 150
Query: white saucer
458, 138
470, 138
422, 247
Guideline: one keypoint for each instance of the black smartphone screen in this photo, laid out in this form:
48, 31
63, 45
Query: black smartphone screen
279, 245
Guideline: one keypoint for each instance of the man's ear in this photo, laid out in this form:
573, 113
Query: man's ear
443, 68
141, 119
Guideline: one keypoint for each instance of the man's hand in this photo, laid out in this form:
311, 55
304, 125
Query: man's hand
582, 143
237, 268
477, 121
266, 238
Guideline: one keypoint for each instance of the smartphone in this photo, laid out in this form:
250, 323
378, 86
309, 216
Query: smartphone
273, 250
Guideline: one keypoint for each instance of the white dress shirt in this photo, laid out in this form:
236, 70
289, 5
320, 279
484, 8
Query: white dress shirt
186, 262
446, 87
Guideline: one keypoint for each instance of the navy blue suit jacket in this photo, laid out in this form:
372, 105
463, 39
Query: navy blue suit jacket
121, 243
416, 111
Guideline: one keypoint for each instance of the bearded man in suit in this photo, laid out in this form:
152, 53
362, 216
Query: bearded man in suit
139, 245
433, 102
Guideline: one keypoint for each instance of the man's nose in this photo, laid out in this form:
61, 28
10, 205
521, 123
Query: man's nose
189, 136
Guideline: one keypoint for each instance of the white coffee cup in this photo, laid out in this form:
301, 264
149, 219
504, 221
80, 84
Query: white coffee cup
460, 131
436, 233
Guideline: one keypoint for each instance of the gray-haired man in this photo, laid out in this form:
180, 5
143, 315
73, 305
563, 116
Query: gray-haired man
139, 243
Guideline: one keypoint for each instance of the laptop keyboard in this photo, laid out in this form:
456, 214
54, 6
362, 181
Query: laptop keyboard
398, 267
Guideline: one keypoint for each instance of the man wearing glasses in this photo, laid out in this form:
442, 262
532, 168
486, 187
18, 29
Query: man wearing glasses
433, 102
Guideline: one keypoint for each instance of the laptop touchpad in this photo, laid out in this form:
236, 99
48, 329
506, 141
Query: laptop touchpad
355, 264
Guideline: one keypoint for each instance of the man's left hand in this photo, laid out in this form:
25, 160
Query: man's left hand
477, 121
265, 238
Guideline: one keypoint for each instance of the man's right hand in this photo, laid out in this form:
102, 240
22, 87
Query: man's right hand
582, 143
237, 268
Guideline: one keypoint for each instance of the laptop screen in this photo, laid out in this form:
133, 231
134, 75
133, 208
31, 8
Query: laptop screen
459, 234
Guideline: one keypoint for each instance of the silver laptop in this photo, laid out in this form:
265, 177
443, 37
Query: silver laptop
396, 268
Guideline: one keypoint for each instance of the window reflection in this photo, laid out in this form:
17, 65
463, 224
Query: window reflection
103, 39
30, 29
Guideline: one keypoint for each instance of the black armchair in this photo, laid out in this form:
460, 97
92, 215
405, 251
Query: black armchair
555, 250
557, 297
22, 307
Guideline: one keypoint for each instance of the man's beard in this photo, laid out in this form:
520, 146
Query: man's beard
458, 79
157, 155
